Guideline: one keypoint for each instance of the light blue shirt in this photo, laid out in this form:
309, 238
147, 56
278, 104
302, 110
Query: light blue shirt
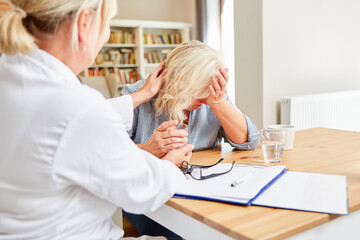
205, 130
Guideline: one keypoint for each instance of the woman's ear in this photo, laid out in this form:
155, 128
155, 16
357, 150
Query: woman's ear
83, 27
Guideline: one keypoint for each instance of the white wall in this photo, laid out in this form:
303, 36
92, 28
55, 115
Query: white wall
159, 10
248, 58
308, 46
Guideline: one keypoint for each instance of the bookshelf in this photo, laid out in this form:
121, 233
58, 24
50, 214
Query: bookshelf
136, 47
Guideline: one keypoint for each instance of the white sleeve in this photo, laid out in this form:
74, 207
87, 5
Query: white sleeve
124, 106
96, 153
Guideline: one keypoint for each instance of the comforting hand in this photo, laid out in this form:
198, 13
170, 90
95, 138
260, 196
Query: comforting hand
218, 88
177, 156
154, 81
165, 138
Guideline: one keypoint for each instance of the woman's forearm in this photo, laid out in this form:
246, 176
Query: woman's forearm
139, 98
233, 122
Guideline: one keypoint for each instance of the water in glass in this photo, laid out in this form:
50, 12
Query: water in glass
272, 151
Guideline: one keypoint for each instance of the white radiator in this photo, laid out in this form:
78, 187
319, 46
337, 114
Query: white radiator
338, 110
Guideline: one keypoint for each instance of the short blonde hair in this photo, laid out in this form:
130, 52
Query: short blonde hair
28, 17
189, 70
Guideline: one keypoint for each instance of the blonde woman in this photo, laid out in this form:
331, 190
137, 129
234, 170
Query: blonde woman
193, 92
66, 160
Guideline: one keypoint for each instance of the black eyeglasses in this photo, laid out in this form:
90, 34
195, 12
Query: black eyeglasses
195, 171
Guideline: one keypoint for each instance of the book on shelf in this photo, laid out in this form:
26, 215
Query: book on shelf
99, 59
116, 37
128, 56
152, 39
166, 38
148, 57
172, 38
126, 76
114, 57
159, 39
121, 37
145, 38
162, 39
156, 56
149, 38
178, 39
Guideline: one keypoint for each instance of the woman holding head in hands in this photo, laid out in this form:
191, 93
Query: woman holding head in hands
194, 93
66, 160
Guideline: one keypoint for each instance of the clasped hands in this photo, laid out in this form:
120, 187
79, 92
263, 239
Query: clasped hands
165, 138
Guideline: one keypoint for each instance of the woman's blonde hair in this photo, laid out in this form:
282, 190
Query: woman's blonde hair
189, 70
19, 27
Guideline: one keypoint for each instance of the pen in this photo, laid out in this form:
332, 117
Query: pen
240, 180
250, 165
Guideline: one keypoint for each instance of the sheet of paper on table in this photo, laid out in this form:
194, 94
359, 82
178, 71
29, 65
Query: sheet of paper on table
219, 188
272, 187
307, 191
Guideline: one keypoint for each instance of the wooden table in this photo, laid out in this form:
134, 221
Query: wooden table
315, 150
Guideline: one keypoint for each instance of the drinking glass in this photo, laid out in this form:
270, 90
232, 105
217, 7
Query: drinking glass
184, 127
272, 144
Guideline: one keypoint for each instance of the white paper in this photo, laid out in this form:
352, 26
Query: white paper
220, 187
308, 192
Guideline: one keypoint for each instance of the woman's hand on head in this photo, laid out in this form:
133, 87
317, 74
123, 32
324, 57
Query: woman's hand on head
177, 156
217, 89
154, 81
164, 139
151, 87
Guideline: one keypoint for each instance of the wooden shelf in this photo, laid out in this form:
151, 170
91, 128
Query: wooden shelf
116, 65
137, 29
161, 45
152, 65
119, 45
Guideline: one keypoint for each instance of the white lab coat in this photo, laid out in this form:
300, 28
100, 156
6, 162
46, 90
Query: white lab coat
66, 160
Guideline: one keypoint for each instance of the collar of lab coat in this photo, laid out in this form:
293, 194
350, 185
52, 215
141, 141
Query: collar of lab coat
48, 61
43, 62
